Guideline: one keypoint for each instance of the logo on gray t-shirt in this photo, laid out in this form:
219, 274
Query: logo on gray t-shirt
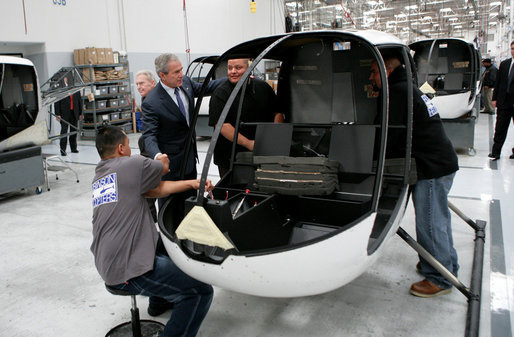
105, 190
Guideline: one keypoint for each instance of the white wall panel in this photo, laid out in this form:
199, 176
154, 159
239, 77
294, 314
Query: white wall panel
214, 26
150, 25
62, 28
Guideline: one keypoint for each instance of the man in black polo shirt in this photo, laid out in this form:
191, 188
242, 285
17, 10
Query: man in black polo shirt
259, 105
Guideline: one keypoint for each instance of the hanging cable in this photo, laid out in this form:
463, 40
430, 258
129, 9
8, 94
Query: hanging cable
347, 14
24, 16
186, 30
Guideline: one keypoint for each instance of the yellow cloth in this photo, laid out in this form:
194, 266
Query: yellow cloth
427, 88
198, 227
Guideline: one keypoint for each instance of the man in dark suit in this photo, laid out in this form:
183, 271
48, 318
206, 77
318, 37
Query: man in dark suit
167, 114
166, 122
69, 109
503, 100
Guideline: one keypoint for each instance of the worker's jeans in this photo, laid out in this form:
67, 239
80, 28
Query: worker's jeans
191, 297
434, 227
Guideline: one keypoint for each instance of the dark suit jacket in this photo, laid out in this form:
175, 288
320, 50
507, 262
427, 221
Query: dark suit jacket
165, 129
500, 95
62, 107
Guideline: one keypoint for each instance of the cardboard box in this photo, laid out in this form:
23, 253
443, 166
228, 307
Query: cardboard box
82, 56
91, 56
76, 59
109, 56
87, 76
100, 55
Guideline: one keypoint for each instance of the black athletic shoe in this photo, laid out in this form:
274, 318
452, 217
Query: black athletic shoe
63, 153
493, 156
156, 309
75, 151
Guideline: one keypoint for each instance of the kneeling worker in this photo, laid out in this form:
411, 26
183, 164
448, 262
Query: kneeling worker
125, 237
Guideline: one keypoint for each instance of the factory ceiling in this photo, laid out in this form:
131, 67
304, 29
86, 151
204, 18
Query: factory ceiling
410, 20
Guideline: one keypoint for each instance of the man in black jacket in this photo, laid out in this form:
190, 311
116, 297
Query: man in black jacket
436, 164
69, 110
488, 82
503, 100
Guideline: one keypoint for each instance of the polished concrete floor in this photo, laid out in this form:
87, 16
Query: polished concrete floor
50, 287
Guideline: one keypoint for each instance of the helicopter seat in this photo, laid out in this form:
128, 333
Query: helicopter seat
453, 81
352, 147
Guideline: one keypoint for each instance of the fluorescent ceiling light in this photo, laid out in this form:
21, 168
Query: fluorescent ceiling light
294, 4
384, 9
437, 2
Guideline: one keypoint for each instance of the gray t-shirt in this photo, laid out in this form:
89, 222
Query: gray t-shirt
124, 234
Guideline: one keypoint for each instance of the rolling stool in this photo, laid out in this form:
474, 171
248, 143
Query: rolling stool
136, 327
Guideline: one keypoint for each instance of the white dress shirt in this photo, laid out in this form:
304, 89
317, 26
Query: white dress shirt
185, 101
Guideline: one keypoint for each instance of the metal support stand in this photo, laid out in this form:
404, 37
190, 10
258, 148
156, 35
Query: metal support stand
47, 159
474, 292
64, 135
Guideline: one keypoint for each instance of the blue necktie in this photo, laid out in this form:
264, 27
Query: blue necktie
180, 103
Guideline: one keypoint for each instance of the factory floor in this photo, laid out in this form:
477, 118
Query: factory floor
49, 285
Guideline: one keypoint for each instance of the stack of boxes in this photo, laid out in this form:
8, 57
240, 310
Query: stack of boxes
109, 101
93, 55
98, 56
